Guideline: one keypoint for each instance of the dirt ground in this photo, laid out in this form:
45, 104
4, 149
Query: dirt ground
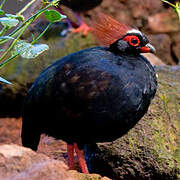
10, 132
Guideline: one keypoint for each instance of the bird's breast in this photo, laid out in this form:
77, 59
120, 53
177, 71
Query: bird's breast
101, 88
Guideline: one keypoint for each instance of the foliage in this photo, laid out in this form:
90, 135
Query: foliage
18, 47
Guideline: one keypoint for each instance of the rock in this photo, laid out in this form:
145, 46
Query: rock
144, 8
175, 47
19, 163
112, 8
175, 37
164, 22
153, 59
151, 150
162, 43
81, 176
176, 51
123, 16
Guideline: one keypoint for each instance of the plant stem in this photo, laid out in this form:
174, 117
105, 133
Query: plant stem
34, 41
21, 30
15, 55
35, 16
8, 60
26, 7
15, 41
178, 9
169, 3
178, 12
2, 4
2, 32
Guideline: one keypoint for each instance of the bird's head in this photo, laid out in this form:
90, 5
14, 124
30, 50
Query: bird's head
120, 37
133, 42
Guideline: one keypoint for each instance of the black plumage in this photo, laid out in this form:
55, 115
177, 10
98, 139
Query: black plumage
78, 6
94, 95
81, 5
89, 94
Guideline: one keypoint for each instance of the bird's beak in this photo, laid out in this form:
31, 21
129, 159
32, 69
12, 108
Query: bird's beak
148, 49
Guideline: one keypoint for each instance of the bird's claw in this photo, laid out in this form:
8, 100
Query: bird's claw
82, 28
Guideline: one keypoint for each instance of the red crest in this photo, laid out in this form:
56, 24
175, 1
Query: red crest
107, 30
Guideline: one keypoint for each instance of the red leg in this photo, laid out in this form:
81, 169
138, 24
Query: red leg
70, 150
81, 159
84, 28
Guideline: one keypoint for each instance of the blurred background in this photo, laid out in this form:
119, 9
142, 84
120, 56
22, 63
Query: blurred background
153, 17
161, 25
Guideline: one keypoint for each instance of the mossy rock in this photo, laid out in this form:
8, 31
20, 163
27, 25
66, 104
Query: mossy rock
151, 150
22, 72
82, 176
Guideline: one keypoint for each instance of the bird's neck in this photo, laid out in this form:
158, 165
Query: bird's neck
122, 48
119, 52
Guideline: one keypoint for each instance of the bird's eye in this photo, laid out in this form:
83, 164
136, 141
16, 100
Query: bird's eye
132, 40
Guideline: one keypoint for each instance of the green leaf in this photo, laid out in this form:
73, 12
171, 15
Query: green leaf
20, 18
20, 45
1, 12
7, 22
4, 81
38, 49
28, 51
11, 16
6, 37
53, 16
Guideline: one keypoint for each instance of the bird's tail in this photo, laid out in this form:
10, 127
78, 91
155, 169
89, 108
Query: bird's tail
30, 136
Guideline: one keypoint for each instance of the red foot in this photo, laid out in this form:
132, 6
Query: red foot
70, 149
81, 159
82, 28
80, 155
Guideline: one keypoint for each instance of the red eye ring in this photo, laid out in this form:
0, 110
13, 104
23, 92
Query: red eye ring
132, 40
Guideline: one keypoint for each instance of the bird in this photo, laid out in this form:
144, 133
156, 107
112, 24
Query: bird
79, 6
94, 95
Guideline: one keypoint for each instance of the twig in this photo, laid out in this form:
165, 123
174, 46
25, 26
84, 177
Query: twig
26, 7
34, 41
2, 4
35, 16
